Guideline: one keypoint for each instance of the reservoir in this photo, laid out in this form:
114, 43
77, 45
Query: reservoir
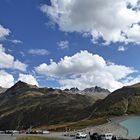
133, 126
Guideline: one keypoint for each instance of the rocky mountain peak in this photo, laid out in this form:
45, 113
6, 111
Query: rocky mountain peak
74, 89
96, 89
18, 88
23, 84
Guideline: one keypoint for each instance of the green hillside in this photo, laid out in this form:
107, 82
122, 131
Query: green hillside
23, 106
123, 101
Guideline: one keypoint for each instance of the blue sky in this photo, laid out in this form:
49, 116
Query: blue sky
87, 46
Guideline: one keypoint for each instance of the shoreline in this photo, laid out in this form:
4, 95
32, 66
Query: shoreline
113, 126
118, 120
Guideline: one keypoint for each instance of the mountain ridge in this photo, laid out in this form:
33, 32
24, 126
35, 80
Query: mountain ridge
23, 105
2, 89
120, 102
92, 91
53, 106
20, 87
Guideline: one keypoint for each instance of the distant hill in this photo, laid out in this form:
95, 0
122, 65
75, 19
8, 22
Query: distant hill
122, 101
24, 105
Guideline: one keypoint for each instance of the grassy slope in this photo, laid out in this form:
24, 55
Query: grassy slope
24, 105
48, 109
122, 101
74, 125
36, 138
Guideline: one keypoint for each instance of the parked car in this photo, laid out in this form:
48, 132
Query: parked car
46, 132
15, 132
8, 131
31, 132
81, 135
106, 136
22, 131
95, 136
2, 132
39, 131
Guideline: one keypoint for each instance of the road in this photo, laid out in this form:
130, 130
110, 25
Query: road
61, 136
6, 137
51, 135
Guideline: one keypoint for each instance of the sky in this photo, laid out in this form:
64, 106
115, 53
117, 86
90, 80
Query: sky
70, 43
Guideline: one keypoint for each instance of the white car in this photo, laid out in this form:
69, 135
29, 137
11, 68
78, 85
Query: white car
46, 132
107, 136
15, 132
81, 135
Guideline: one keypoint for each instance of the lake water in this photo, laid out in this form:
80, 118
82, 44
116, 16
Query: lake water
133, 126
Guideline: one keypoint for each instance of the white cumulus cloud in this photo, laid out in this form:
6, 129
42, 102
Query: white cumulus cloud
133, 33
27, 78
6, 79
15, 41
122, 48
8, 61
38, 52
63, 44
84, 70
3, 32
108, 19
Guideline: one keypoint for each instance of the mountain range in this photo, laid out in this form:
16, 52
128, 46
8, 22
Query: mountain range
24, 105
96, 91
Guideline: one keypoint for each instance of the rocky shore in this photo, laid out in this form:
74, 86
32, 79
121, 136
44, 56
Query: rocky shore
113, 126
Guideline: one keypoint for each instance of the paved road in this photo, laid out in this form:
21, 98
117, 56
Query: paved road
61, 136
52, 135
6, 137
